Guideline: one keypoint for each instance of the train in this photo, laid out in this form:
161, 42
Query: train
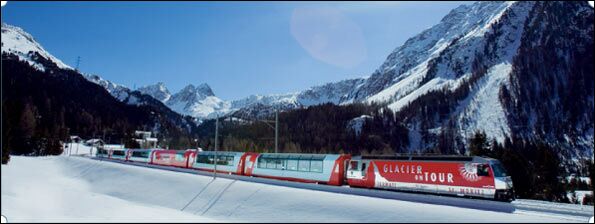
465, 176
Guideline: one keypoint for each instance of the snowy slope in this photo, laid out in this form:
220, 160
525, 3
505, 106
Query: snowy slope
39, 189
406, 65
450, 48
128, 193
22, 44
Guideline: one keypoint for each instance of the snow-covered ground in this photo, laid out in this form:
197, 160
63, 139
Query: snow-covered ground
79, 189
40, 189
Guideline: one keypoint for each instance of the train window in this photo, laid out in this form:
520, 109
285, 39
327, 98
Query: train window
363, 167
304, 165
482, 170
141, 154
230, 160
353, 165
499, 171
271, 163
220, 160
279, 164
292, 164
262, 163
224, 160
203, 159
316, 166
101, 151
118, 153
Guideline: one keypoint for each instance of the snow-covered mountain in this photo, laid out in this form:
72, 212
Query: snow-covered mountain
201, 102
197, 101
158, 91
119, 92
260, 106
447, 56
509, 69
20, 43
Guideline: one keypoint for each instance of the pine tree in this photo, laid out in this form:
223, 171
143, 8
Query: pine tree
478, 145
27, 122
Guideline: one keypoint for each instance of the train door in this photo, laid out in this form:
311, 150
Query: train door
248, 165
345, 169
356, 169
240, 169
190, 158
152, 160
357, 174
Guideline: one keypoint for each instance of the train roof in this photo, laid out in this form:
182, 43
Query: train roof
429, 158
294, 156
220, 153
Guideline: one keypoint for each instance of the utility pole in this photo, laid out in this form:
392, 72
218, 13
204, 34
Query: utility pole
276, 131
216, 144
268, 123
70, 148
78, 62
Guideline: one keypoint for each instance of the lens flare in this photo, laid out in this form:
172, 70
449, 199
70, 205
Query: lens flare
329, 36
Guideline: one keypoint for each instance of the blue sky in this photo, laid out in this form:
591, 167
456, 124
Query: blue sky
238, 48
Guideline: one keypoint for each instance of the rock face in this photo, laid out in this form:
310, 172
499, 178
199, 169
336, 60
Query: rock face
158, 91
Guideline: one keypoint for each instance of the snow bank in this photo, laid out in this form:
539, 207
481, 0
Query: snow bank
38, 189
84, 188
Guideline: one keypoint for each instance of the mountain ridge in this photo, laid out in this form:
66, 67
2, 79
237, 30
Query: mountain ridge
463, 75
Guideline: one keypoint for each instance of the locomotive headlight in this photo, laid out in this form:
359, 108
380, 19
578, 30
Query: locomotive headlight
508, 183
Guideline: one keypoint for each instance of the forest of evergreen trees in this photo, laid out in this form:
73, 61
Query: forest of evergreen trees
41, 109
316, 129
